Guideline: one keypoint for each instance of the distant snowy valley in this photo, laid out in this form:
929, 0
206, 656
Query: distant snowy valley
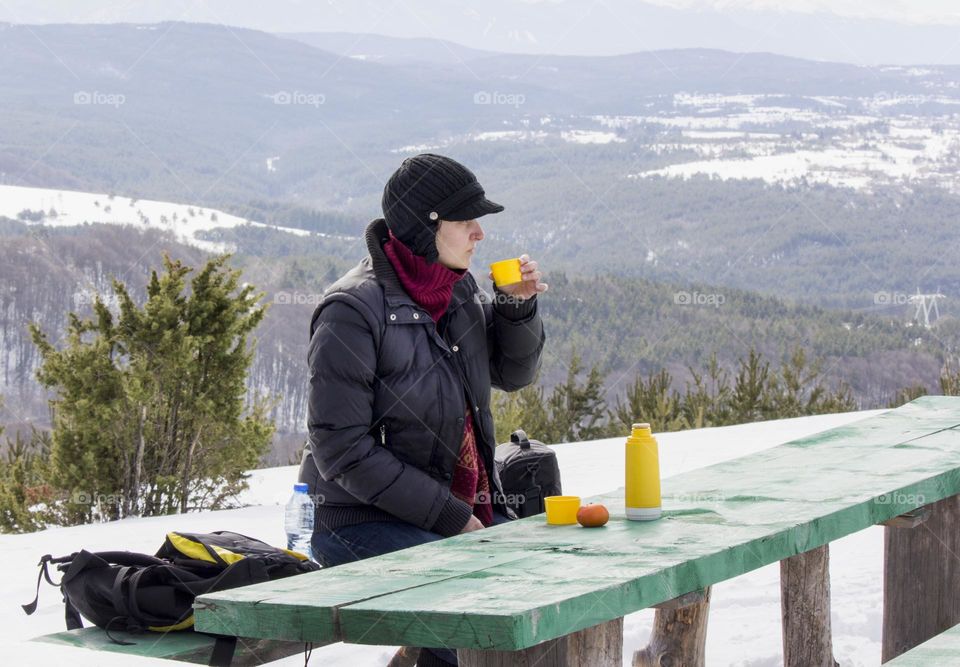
854, 142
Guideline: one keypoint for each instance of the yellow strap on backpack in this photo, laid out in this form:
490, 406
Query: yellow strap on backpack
199, 551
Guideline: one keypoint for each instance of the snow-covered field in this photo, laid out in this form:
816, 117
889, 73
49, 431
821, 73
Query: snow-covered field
744, 627
854, 142
847, 142
68, 208
573, 136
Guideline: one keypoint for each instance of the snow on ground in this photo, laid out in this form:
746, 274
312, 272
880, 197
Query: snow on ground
869, 141
516, 136
904, 151
854, 142
508, 135
834, 167
68, 208
590, 137
697, 134
744, 627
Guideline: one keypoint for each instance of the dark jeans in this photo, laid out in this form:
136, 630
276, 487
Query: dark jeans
374, 538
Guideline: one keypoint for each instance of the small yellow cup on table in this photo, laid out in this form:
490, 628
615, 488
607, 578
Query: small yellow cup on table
506, 272
562, 510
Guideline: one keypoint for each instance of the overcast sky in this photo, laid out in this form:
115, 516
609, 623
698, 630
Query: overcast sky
905, 11
288, 15
858, 31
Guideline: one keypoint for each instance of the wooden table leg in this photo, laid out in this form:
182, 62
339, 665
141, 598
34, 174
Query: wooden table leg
921, 577
599, 646
679, 634
805, 609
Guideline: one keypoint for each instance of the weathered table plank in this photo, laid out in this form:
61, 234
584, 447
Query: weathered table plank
719, 522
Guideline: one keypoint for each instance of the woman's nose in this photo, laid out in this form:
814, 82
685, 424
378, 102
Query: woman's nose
478, 232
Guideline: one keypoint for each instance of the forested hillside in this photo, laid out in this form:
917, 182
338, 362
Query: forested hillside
625, 326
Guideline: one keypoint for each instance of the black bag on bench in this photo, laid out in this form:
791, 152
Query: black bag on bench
121, 590
529, 473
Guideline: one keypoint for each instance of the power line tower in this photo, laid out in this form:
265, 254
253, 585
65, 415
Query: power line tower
926, 303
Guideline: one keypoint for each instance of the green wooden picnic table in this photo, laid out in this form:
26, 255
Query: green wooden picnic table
502, 594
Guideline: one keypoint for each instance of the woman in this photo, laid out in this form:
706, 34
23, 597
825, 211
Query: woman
404, 349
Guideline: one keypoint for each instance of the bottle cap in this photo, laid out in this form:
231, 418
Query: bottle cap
300, 487
641, 431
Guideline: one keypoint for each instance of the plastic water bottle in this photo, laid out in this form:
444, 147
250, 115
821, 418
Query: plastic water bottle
298, 520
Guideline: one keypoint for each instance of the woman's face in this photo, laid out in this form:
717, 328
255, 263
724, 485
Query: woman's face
457, 242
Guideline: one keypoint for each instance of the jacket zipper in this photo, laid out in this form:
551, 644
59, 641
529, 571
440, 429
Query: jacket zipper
476, 413
477, 423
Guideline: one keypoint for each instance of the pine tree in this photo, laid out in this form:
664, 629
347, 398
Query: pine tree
651, 401
524, 409
797, 390
707, 398
907, 394
149, 415
950, 378
26, 500
749, 400
576, 410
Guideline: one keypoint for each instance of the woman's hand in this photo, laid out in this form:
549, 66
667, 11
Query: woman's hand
472, 525
530, 285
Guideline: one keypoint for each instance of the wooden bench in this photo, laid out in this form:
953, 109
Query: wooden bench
944, 649
526, 592
193, 647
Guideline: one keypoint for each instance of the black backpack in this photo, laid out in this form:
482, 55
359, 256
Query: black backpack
528, 472
121, 590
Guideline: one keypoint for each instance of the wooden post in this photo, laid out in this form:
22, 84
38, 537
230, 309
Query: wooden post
805, 609
679, 634
921, 578
599, 646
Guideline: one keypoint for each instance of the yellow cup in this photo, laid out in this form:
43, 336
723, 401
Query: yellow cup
562, 510
506, 272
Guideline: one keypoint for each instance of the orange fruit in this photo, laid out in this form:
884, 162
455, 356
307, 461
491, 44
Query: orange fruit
593, 515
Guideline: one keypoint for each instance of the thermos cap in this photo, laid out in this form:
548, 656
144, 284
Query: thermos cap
641, 432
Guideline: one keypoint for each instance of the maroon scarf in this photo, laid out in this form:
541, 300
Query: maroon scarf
430, 285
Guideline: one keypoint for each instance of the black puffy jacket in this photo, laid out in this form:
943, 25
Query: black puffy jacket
388, 393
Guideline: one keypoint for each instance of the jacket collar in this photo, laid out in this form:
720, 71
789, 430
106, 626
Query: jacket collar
376, 235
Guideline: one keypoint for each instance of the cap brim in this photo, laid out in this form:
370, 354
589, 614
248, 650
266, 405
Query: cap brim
474, 209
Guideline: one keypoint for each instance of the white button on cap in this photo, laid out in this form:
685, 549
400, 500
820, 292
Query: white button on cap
416, 316
393, 316
455, 348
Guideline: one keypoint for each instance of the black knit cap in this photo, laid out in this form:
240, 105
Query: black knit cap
426, 189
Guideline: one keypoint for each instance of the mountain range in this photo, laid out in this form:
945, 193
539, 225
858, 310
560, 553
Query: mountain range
785, 185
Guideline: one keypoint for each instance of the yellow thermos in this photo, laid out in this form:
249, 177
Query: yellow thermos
642, 475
